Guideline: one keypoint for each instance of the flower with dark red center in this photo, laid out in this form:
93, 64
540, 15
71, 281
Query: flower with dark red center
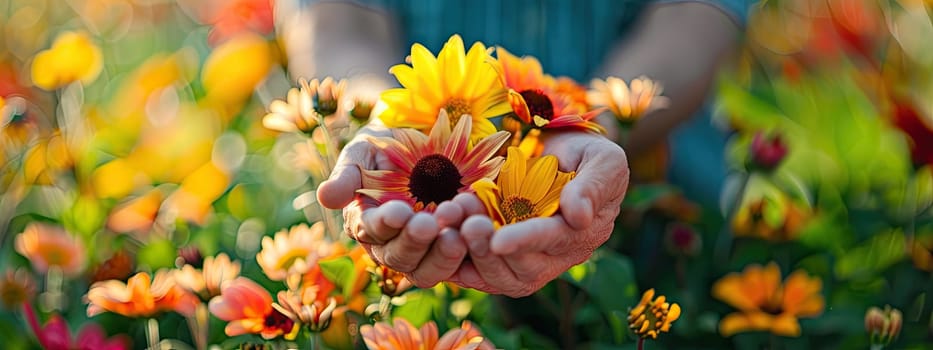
767, 152
432, 169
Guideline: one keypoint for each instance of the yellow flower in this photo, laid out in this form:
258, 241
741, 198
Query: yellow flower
432, 169
46, 246
234, 69
526, 188
293, 251
209, 280
71, 58
460, 83
194, 198
628, 102
652, 316
764, 303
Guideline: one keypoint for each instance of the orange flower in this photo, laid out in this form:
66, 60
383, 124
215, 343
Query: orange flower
139, 297
432, 169
293, 251
46, 246
248, 309
920, 249
535, 99
209, 280
764, 303
402, 335
16, 288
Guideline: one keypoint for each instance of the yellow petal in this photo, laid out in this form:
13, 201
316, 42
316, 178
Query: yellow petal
513, 172
489, 195
539, 179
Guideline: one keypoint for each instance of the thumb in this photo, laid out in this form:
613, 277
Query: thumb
601, 178
340, 189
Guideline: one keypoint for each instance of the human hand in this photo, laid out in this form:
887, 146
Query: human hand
392, 233
519, 259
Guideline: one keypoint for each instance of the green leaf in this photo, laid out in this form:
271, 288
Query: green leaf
873, 256
643, 196
340, 271
618, 321
417, 306
159, 253
603, 277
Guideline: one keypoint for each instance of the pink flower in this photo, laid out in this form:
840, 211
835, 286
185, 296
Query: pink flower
767, 152
56, 335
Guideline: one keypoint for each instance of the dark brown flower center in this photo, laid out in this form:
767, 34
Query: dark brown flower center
277, 320
434, 179
517, 209
538, 103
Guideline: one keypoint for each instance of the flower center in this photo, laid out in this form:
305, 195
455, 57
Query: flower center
289, 259
277, 320
538, 103
456, 108
434, 179
517, 209
325, 107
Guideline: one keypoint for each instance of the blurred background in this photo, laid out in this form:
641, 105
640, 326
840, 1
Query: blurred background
135, 127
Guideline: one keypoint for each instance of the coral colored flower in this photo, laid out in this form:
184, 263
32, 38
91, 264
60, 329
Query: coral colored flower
248, 309
526, 188
293, 251
55, 335
305, 106
16, 288
652, 316
46, 246
307, 307
432, 169
534, 98
883, 326
764, 303
239, 16
71, 58
208, 281
628, 102
140, 297
402, 335
460, 83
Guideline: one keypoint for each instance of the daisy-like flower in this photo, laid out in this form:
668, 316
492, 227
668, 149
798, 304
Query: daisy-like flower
534, 98
526, 188
463, 84
628, 102
16, 287
402, 335
140, 296
208, 281
652, 315
432, 169
72, 57
764, 303
307, 308
304, 106
293, 251
248, 309
46, 246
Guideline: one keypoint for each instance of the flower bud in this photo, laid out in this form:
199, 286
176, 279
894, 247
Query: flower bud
883, 326
767, 152
189, 255
682, 240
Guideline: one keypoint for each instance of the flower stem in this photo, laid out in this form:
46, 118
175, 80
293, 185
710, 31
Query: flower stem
314, 341
385, 307
724, 242
198, 326
33, 321
152, 333
641, 343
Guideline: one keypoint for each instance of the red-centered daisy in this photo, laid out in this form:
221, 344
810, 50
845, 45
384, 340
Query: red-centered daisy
433, 169
535, 99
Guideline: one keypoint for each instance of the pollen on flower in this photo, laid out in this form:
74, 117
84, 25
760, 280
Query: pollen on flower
456, 108
516, 209
434, 179
539, 104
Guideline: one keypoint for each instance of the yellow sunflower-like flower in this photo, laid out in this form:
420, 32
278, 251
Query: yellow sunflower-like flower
463, 84
652, 316
764, 303
628, 102
72, 57
432, 169
526, 188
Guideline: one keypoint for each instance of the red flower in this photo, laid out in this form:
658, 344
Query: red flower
917, 128
767, 152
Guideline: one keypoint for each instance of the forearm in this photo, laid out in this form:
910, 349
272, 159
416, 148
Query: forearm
681, 45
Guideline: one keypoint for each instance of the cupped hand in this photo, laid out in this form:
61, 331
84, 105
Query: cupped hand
519, 259
392, 233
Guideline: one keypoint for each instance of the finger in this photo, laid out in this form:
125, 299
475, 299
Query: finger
449, 214
385, 222
345, 179
466, 276
548, 235
404, 253
601, 179
470, 204
492, 269
442, 260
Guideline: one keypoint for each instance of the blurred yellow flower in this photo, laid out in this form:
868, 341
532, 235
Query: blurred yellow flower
235, 68
293, 251
72, 57
764, 303
117, 179
458, 82
652, 316
194, 198
140, 296
46, 246
208, 281
525, 188
46, 159
628, 102
774, 219
136, 215
402, 335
